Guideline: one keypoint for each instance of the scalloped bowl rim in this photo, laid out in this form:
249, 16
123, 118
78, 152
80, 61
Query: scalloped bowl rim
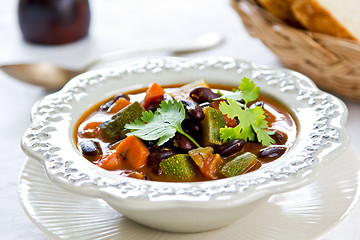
322, 135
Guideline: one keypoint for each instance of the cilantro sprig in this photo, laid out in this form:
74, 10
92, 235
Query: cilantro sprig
252, 123
248, 91
162, 125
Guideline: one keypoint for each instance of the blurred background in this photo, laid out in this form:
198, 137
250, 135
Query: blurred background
117, 25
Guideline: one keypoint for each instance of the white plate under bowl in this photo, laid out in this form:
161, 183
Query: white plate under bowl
305, 213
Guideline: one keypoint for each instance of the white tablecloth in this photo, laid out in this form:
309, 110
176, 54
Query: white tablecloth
117, 25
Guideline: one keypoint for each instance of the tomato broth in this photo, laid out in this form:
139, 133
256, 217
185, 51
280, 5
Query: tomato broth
96, 146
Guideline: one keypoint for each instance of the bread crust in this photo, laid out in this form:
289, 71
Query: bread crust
316, 18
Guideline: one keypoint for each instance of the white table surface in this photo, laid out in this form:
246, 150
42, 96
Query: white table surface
117, 25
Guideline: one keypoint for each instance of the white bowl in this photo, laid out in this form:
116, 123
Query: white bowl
197, 206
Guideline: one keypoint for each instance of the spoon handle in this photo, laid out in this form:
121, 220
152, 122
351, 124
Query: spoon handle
195, 44
118, 55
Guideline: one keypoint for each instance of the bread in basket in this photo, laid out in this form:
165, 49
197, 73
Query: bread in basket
333, 63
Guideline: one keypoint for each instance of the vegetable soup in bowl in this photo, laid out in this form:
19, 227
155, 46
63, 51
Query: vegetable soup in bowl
186, 145
184, 133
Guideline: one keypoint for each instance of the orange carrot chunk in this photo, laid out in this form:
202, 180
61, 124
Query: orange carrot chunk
134, 152
119, 104
91, 130
91, 125
111, 161
153, 93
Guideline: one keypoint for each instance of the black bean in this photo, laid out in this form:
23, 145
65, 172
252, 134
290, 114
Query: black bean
203, 94
146, 177
156, 103
157, 171
158, 155
191, 127
108, 104
279, 137
230, 147
193, 109
153, 105
242, 101
183, 142
151, 145
271, 152
90, 148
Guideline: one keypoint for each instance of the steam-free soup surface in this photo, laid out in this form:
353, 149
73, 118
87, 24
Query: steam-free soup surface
124, 154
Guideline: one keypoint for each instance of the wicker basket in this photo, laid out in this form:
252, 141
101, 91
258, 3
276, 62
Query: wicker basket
332, 63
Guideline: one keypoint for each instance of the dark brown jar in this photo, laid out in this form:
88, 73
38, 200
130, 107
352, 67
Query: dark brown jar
54, 21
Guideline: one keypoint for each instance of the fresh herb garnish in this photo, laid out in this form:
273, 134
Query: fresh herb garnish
248, 91
162, 125
252, 121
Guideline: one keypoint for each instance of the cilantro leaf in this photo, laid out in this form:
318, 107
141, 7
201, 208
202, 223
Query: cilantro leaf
247, 91
162, 125
235, 95
252, 123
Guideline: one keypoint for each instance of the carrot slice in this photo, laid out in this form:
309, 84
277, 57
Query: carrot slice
91, 125
134, 152
119, 104
111, 161
91, 130
153, 93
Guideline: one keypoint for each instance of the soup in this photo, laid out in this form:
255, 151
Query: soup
195, 132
